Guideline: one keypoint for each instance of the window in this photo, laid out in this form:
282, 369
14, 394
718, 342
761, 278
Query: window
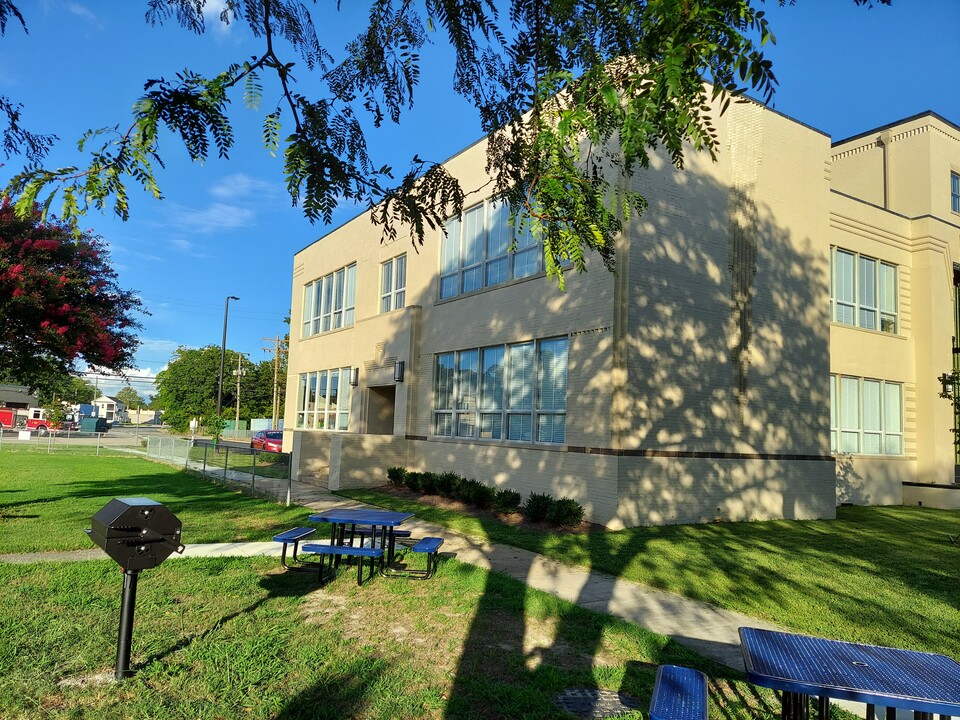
323, 400
865, 416
475, 250
863, 291
328, 302
393, 284
512, 392
955, 192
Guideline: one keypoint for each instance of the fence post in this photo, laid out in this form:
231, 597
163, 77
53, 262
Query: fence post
253, 476
99, 435
205, 447
226, 461
186, 455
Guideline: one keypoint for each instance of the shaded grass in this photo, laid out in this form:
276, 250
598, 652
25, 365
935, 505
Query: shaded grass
882, 575
46, 501
234, 638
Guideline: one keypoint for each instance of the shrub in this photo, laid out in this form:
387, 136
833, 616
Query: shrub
448, 483
428, 483
565, 512
538, 506
481, 495
412, 480
395, 475
507, 501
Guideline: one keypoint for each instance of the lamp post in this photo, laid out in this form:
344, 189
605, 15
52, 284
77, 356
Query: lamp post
223, 350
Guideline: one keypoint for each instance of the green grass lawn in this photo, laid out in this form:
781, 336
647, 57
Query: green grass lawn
46, 501
883, 575
237, 638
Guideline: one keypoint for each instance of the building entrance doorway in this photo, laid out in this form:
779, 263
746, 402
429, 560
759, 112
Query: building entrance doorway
380, 409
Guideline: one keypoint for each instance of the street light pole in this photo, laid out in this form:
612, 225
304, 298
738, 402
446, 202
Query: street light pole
223, 350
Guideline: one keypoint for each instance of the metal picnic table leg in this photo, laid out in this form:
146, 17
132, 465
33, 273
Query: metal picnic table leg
794, 706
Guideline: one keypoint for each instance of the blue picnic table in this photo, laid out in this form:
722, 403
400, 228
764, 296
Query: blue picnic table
802, 666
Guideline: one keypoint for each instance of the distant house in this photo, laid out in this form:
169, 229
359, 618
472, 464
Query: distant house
17, 396
111, 409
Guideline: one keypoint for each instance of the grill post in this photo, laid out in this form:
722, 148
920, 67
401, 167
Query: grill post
127, 604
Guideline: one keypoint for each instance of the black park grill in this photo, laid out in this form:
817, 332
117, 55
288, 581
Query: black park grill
138, 533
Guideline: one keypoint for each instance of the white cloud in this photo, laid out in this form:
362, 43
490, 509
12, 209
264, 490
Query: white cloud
211, 17
216, 217
241, 185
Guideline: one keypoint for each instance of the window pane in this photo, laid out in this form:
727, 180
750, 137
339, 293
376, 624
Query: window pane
386, 278
552, 382
520, 383
401, 279
450, 247
473, 236
868, 282
849, 403
491, 426
844, 314
472, 279
499, 235
834, 408
551, 428
349, 295
385, 304
443, 382
871, 405
955, 192
491, 383
892, 408
871, 443
888, 288
302, 392
448, 286
893, 445
519, 427
843, 277
443, 424
467, 380
311, 392
850, 442
466, 424
526, 262
498, 271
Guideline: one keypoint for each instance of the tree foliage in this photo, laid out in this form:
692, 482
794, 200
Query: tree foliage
626, 75
187, 387
130, 398
60, 301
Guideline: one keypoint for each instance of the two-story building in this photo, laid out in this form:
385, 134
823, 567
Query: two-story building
769, 344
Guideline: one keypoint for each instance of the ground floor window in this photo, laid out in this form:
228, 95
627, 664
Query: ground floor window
866, 416
323, 400
512, 392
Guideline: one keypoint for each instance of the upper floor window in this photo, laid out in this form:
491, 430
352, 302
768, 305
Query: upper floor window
328, 302
323, 400
393, 284
955, 192
474, 250
863, 291
866, 416
512, 392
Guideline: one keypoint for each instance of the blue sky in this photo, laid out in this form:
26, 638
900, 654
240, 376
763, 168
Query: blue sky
227, 227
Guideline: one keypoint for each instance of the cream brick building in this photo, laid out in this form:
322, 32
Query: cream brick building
742, 363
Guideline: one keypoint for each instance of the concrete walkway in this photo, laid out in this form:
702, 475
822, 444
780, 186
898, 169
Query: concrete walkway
710, 631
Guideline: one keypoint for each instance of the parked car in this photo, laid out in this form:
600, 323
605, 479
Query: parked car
268, 440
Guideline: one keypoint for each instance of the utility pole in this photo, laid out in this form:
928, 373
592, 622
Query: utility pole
239, 372
277, 350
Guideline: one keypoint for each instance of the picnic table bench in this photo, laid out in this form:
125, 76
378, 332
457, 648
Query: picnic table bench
679, 693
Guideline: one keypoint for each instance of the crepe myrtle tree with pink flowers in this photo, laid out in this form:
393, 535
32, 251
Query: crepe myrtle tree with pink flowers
60, 302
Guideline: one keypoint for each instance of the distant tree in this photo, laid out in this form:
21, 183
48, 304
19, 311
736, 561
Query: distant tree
626, 75
60, 301
130, 398
187, 387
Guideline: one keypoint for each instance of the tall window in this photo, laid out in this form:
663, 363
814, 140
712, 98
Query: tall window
393, 284
323, 400
955, 192
328, 302
863, 291
513, 392
866, 416
475, 250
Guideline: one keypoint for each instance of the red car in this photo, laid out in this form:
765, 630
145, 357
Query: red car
267, 440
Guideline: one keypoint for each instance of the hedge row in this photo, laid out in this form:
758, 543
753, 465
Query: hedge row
539, 507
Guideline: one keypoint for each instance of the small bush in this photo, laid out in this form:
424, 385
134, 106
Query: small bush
538, 506
507, 501
412, 480
396, 475
565, 512
448, 483
481, 495
428, 483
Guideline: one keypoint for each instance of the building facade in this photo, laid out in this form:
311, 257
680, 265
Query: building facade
769, 344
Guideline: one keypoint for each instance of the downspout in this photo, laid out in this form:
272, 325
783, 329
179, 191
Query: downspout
884, 142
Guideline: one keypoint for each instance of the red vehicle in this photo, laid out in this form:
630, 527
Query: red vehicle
8, 417
267, 440
37, 420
